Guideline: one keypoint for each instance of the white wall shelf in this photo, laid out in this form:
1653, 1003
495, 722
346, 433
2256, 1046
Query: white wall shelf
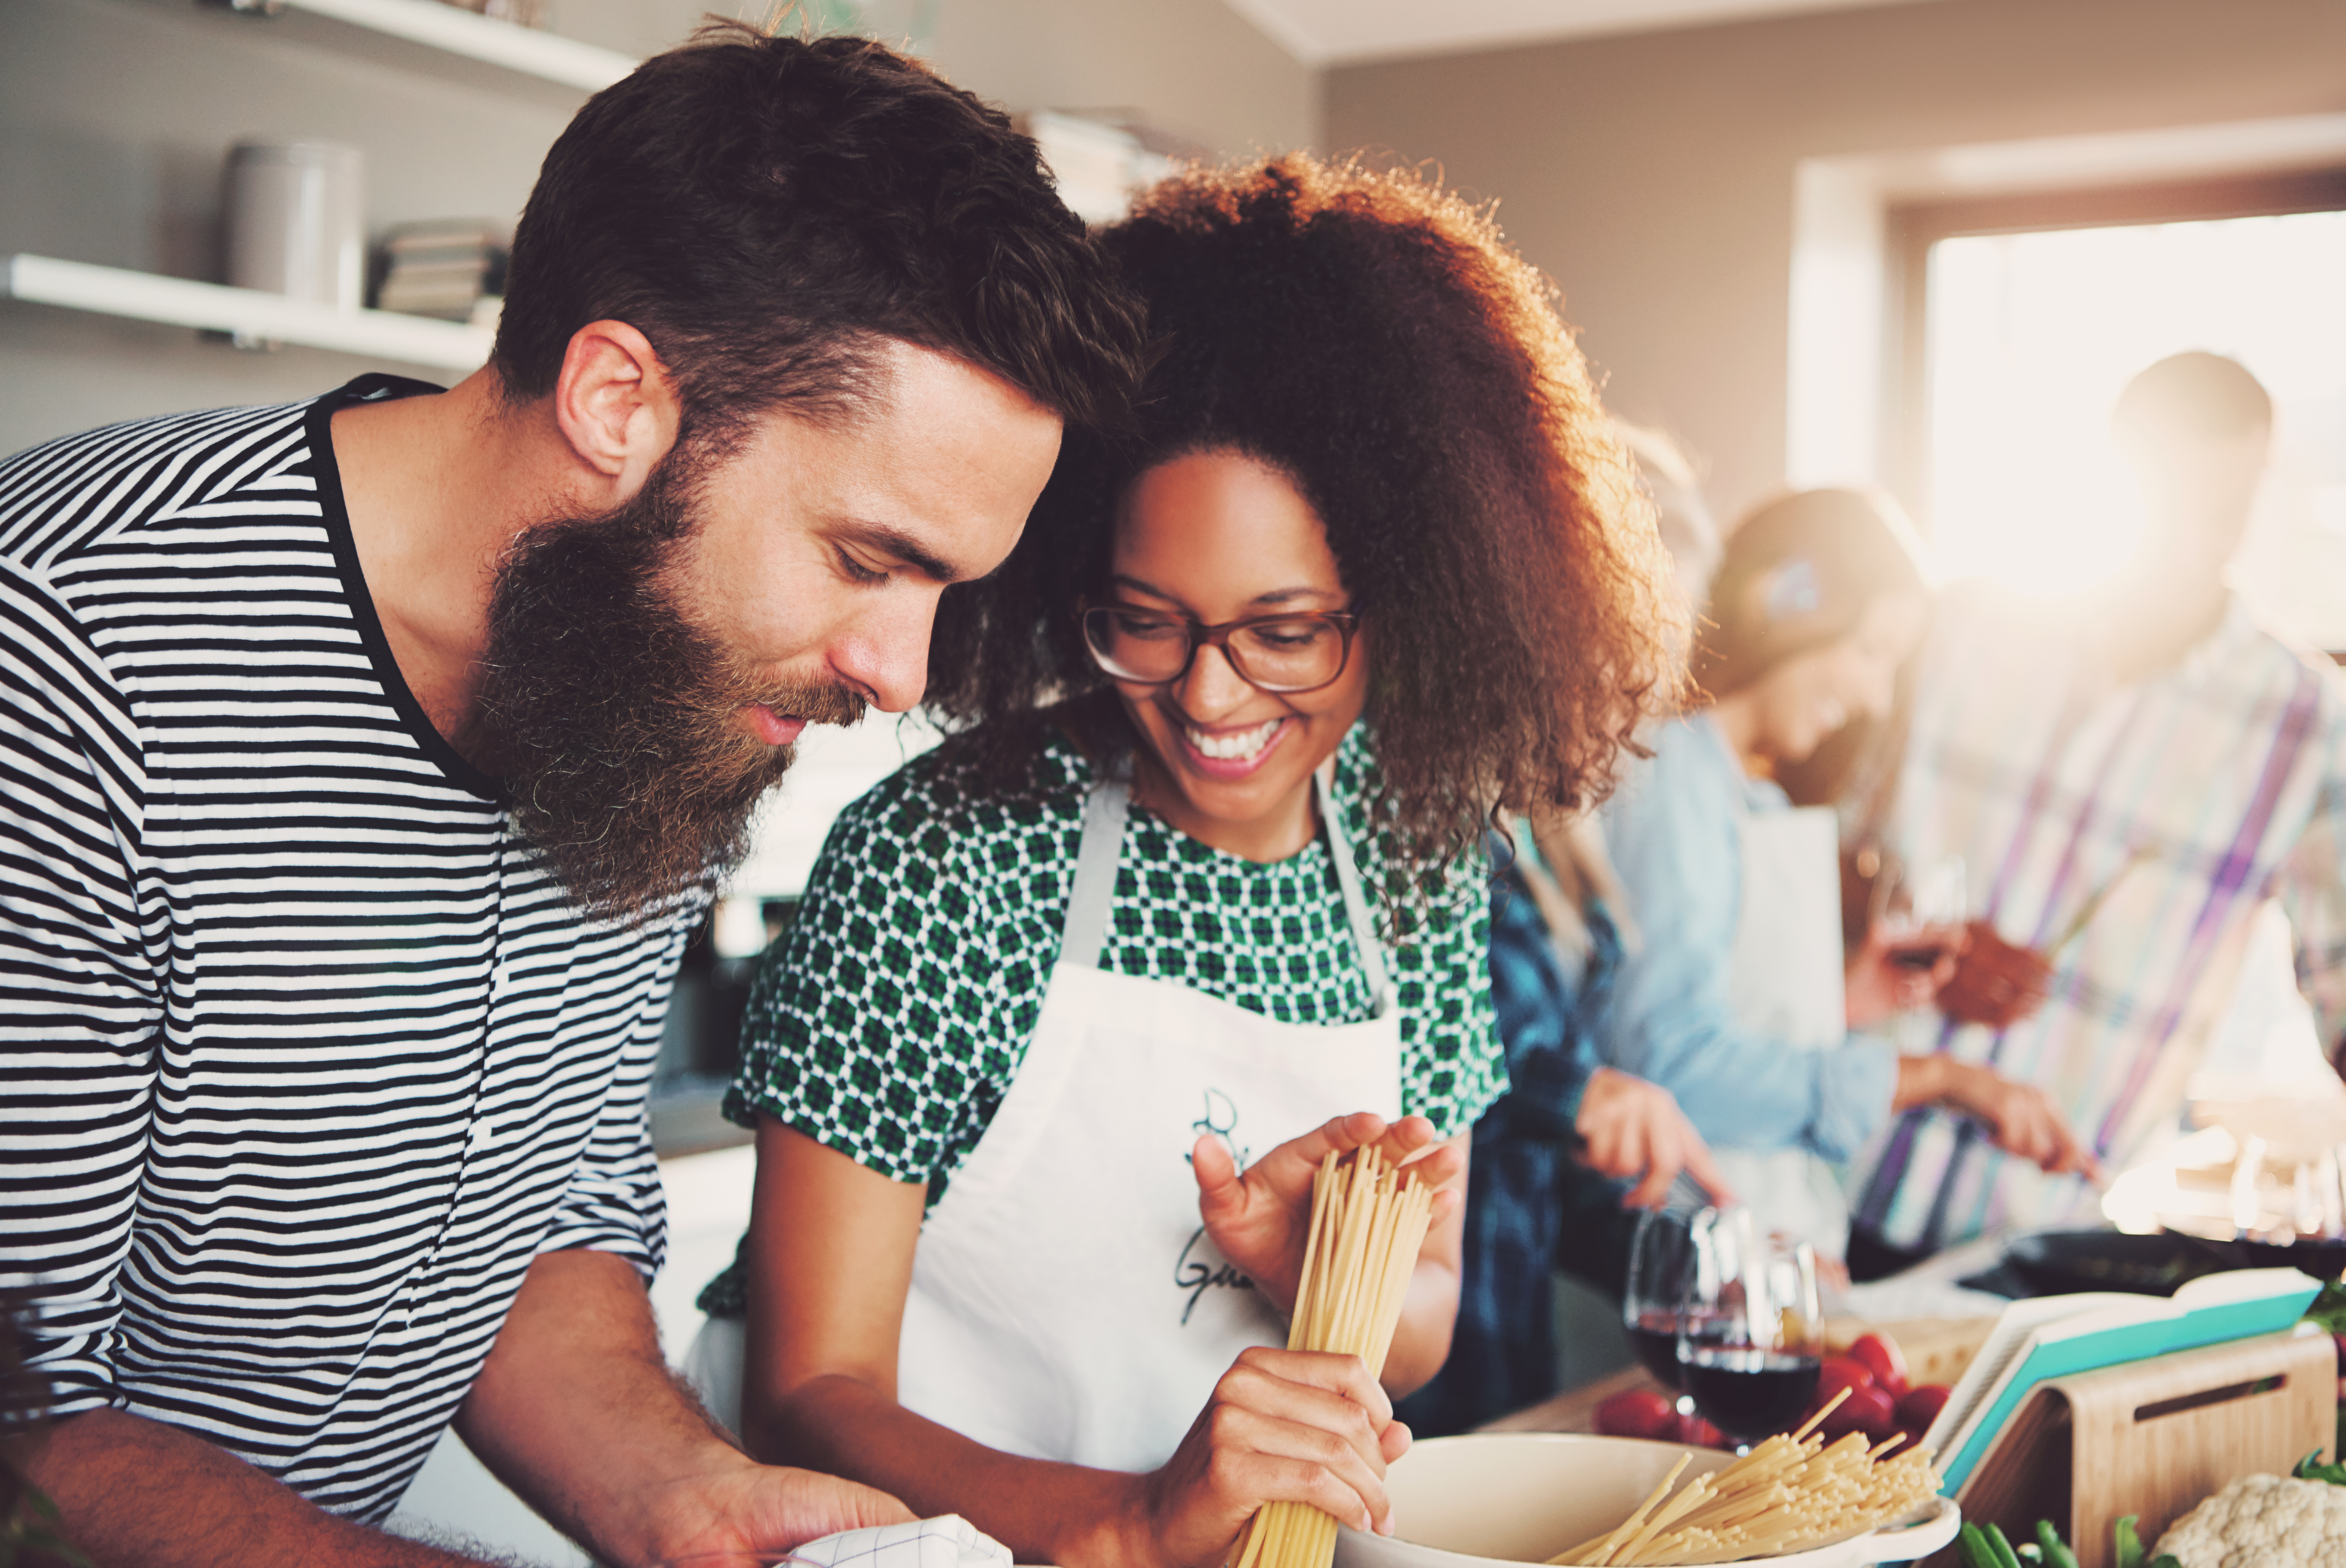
247, 313
427, 36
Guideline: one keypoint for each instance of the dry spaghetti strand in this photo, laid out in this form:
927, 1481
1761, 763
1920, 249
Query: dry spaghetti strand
1368, 1221
1789, 1493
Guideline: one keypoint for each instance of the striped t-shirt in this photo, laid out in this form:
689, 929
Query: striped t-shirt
305, 1056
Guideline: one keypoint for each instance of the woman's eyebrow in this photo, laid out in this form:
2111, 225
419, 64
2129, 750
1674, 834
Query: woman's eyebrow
1276, 596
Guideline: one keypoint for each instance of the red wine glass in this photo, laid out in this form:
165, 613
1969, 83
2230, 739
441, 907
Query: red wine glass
1749, 1329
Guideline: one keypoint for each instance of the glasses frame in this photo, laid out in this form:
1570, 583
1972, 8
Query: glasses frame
1201, 636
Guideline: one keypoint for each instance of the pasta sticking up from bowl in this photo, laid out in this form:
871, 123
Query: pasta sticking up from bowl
1789, 1493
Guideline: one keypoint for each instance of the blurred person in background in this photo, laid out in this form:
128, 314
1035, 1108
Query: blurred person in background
1741, 1000
1564, 1160
2128, 778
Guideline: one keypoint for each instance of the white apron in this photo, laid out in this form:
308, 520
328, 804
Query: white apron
1784, 980
1066, 1303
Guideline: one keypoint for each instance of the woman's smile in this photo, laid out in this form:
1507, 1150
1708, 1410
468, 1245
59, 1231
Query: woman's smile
1228, 752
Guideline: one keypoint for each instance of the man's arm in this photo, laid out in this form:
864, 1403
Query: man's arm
135, 1493
577, 1412
574, 1410
2311, 888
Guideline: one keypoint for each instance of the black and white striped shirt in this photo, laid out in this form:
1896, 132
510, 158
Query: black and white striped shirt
303, 1056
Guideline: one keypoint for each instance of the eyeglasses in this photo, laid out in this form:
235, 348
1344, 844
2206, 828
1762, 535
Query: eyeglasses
1274, 653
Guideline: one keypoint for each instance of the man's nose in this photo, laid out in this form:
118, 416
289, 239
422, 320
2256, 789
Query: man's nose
886, 656
1881, 694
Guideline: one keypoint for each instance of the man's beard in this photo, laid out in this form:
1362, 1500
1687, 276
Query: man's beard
614, 722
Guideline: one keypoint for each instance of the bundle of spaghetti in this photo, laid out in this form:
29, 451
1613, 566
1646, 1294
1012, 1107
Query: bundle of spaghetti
1368, 1221
1790, 1493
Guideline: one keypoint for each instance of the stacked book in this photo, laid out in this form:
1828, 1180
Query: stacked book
448, 269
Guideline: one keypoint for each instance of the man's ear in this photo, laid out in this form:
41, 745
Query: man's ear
615, 405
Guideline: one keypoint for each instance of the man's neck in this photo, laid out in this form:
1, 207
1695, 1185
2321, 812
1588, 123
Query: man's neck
2153, 617
436, 487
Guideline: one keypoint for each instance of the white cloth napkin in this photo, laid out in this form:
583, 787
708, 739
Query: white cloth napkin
950, 1542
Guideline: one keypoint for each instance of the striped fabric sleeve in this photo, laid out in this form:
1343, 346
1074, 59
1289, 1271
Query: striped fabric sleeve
615, 1202
2312, 892
80, 1011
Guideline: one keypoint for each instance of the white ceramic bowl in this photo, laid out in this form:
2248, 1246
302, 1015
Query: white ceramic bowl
1523, 1497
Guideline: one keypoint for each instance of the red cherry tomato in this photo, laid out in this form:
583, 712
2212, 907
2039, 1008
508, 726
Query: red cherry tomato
1638, 1413
1868, 1411
1920, 1407
1882, 1357
1696, 1432
1836, 1373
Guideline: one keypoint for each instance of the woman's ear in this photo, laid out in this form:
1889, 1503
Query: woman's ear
615, 405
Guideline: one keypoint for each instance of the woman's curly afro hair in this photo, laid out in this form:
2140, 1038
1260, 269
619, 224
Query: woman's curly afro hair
1373, 337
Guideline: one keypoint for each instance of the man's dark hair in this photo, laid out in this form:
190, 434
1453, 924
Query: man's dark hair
2192, 396
767, 210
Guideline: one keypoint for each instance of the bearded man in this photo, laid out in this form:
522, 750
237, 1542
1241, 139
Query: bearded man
369, 761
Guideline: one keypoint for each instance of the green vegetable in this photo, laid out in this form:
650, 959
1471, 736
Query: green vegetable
1972, 1546
2310, 1468
2126, 1546
2056, 1554
2328, 1308
2005, 1557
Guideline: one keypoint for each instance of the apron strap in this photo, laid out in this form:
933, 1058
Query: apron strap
1106, 812
1356, 905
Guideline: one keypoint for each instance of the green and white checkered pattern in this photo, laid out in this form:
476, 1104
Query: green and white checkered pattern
890, 1019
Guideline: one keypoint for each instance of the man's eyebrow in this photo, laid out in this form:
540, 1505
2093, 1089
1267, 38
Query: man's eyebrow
891, 539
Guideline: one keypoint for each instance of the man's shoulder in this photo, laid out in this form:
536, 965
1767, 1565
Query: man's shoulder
68, 497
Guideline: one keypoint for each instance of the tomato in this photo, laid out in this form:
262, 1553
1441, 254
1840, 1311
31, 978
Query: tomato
1920, 1407
1867, 1410
1638, 1413
1836, 1373
1882, 1357
1697, 1432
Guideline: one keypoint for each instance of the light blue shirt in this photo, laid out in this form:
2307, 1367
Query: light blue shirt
1673, 828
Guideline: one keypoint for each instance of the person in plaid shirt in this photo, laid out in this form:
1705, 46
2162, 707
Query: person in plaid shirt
2127, 781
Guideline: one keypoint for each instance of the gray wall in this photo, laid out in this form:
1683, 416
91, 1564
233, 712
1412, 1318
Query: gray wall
1652, 175
115, 115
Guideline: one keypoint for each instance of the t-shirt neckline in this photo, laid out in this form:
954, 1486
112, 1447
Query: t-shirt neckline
334, 509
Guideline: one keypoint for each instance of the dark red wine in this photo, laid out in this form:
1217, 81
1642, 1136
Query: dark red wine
1748, 1393
1657, 1347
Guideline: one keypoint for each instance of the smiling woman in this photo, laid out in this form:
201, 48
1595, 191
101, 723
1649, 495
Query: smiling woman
1074, 1005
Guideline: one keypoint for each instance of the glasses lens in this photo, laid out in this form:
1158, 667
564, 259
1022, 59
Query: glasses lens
1289, 656
1134, 645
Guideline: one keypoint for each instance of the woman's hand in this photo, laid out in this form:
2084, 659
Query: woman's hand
1890, 975
1262, 1218
1629, 1127
1284, 1426
2020, 1118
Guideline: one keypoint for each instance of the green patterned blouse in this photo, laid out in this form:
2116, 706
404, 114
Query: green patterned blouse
889, 1020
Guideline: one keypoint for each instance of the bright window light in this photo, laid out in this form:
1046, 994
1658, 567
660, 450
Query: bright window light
2031, 338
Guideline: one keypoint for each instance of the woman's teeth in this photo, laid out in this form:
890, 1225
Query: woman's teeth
1235, 746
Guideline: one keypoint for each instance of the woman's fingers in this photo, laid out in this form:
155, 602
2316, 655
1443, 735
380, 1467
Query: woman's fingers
1298, 1426
1273, 1372
1219, 1188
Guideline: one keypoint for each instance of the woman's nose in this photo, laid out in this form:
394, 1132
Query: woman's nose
1213, 685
